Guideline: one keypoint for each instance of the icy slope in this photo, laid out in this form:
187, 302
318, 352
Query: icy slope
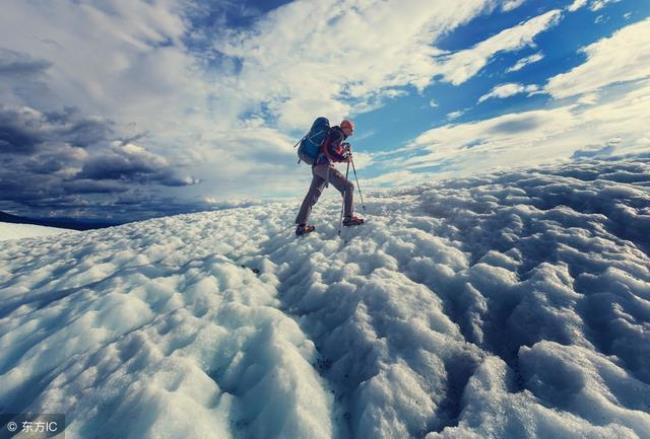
512, 305
18, 231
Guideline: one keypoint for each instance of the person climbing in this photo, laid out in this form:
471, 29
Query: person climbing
332, 149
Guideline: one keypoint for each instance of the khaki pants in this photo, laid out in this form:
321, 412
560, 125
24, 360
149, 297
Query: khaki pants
318, 183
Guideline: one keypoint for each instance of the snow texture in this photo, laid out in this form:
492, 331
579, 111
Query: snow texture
19, 231
512, 305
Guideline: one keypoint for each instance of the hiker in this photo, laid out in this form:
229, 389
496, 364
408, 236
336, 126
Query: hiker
332, 149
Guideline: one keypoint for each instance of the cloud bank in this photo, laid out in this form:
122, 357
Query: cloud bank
143, 102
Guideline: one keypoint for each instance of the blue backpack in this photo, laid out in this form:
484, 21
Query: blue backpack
310, 145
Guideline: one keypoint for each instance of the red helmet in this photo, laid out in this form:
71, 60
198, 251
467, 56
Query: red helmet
345, 123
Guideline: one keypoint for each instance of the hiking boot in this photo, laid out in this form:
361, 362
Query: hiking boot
303, 229
352, 221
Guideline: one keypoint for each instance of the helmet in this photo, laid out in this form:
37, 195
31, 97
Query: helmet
345, 123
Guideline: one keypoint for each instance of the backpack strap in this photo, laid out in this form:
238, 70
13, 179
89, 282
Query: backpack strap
299, 141
324, 148
313, 135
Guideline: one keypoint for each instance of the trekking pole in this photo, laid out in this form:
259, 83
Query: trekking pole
363, 205
347, 171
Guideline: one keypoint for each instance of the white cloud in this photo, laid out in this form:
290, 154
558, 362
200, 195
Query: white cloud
391, 180
509, 5
594, 5
507, 90
588, 99
625, 56
523, 62
349, 56
597, 5
128, 61
617, 120
389, 45
433, 103
577, 4
124, 60
461, 66
455, 114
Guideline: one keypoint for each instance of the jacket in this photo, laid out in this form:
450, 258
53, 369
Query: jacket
333, 148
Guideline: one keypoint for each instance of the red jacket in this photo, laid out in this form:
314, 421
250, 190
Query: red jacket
332, 148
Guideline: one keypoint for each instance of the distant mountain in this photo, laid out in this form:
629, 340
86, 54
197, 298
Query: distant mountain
66, 223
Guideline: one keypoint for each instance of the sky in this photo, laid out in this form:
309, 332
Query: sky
126, 109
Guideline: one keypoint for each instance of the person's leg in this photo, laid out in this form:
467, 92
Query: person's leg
343, 185
315, 189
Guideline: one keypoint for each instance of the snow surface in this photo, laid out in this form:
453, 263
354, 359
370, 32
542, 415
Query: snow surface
510, 305
18, 231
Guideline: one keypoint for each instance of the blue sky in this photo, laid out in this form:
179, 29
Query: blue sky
128, 109
560, 48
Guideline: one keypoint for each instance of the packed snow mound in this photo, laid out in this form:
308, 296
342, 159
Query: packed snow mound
19, 231
510, 305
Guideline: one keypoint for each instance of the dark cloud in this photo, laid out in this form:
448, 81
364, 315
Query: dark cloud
19, 186
22, 129
62, 161
18, 64
13, 139
84, 186
132, 163
54, 158
24, 79
475, 143
517, 126
593, 152
78, 130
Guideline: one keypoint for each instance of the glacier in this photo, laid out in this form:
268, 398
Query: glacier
508, 305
